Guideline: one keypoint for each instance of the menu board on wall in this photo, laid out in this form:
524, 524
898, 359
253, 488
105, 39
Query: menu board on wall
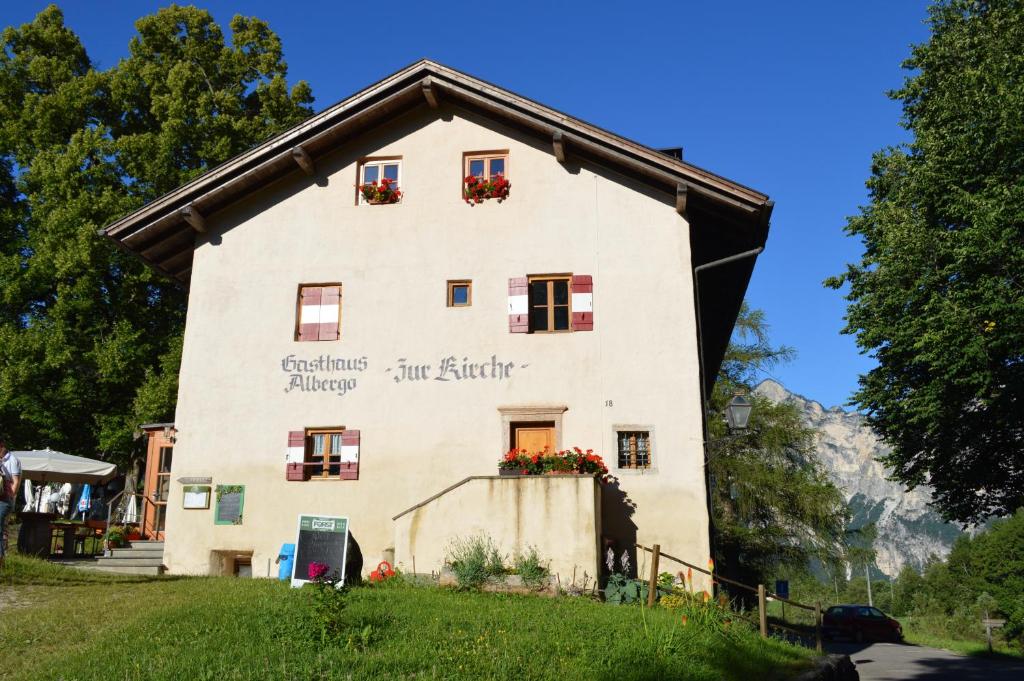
196, 496
321, 539
230, 500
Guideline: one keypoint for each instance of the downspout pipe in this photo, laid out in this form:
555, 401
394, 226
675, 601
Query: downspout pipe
753, 253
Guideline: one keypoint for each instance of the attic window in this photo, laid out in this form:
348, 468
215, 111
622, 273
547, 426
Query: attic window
486, 164
380, 172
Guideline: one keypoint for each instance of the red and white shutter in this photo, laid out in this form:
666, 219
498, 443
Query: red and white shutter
350, 455
518, 305
309, 313
582, 302
319, 313
295, 456
330, 313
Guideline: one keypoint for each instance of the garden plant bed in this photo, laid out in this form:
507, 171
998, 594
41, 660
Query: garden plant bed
84, 626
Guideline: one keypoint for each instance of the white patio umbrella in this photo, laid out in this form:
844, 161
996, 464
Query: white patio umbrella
46, 465
131, 512
29, 497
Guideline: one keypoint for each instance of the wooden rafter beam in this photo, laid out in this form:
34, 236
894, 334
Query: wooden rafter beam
304, 160
429, 93
681, 199
193, 217
558, 146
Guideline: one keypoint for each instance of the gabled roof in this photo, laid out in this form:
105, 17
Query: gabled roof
725, 217
163, 232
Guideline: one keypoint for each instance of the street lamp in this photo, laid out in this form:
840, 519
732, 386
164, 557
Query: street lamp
737, 414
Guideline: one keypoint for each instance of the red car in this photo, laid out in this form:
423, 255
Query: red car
861, 623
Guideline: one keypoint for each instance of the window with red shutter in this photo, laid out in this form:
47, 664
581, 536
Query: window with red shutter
318, 312
323, 454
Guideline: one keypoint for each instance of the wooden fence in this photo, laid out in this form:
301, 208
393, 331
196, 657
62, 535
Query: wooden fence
763, 595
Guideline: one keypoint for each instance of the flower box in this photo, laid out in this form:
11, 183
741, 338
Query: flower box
477, 189
573, 461
380, 193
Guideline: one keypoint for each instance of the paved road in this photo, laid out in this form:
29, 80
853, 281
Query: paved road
892, 662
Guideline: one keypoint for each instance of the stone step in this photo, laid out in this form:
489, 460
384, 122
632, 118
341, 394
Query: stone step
126, 569
129, 562
137, 553
147, 545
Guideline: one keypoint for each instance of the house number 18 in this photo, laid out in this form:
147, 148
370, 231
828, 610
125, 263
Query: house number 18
609, 403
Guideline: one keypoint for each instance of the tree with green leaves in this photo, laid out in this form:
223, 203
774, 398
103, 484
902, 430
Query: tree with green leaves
773, 506
938, 296
90, 338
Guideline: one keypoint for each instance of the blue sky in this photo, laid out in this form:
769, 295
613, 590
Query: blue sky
787, 98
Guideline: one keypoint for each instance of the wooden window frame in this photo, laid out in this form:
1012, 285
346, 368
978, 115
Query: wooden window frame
486, 156
633, 465
550, 278
376, 161
298, 309
325, 470
452, 283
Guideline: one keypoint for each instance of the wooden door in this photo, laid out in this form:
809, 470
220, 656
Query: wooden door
157, 484
534, 437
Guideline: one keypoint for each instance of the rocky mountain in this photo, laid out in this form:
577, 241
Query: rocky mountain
909, 531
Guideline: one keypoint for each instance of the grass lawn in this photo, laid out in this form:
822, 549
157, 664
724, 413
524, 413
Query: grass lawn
58, 622
916, 635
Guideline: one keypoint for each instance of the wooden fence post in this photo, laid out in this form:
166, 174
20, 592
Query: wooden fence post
762, 610
652, 584
817, 625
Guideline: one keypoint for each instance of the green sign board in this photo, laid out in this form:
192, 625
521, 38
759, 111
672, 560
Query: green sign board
321, 539
230, 500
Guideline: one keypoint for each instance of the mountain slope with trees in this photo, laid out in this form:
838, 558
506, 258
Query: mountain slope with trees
910, 532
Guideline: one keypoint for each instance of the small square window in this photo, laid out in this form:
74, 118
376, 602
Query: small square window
379, 181
634, 448
460, 293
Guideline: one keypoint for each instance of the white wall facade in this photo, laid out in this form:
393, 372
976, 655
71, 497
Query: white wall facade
638, 366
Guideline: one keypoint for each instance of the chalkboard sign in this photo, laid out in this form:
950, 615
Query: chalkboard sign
230, 499
321, 539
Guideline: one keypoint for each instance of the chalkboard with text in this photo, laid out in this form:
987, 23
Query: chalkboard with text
321, 539
230, 499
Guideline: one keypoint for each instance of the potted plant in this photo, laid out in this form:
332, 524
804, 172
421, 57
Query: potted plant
477, 189
117, 537
573, 461
515, 462
377, 193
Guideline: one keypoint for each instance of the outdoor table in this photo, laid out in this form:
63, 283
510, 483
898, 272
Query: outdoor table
71, 535
34, 535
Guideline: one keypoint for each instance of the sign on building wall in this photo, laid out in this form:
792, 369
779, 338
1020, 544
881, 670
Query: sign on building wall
321, 539
230, 500
196, 496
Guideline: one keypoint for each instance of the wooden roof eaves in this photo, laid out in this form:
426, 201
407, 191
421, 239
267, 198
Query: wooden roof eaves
288, 139
273, 158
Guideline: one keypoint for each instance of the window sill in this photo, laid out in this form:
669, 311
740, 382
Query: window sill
634, 472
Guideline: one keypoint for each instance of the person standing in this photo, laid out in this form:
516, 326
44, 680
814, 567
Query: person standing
10, 479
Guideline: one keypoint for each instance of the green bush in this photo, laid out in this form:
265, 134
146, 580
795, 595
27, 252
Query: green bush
529, 567
474, 560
